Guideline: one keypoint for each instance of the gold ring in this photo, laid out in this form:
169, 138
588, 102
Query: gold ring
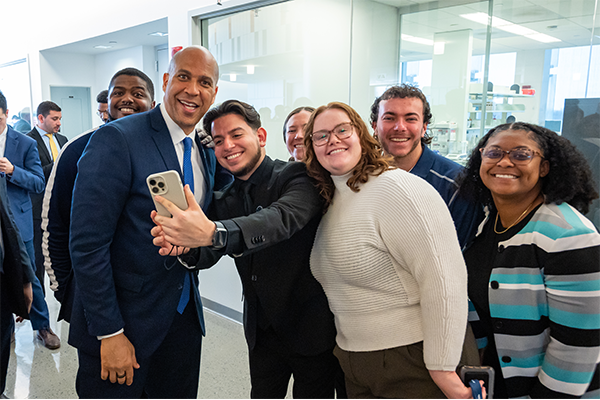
121, 376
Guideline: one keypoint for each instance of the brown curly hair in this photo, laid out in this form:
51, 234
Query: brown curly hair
372, 161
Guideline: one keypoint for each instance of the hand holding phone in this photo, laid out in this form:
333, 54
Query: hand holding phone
485, 374
168, 185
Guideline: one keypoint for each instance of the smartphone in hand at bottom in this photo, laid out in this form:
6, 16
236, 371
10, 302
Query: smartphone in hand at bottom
168, 185
485, 374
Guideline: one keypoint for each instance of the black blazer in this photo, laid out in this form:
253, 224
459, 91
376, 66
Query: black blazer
47, 164
275, 240
15, 267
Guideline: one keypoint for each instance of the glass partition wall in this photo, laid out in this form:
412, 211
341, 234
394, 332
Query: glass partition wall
479, 62
15, 85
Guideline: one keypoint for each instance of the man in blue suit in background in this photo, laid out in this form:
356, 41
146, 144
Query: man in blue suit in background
135, 311
20, 163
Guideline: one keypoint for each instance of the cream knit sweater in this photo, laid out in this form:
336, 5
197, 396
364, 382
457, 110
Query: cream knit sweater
389, 261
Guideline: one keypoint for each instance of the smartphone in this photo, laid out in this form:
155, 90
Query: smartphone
485, 374
168, 185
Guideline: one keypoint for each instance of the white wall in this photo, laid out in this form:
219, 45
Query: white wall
65, 69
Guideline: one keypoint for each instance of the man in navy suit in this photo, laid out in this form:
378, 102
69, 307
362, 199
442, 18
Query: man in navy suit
135, 311
20, 162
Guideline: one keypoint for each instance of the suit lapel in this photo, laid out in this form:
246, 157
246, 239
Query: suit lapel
12, 144
162, 140
45, 157
62, 140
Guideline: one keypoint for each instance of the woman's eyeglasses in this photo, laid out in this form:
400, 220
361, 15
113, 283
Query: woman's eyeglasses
519, 156
341, 131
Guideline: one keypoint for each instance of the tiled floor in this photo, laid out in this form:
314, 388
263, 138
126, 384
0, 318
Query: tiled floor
36, 372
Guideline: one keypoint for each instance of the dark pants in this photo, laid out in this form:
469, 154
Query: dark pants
272, 364
7, 324
172, 371
398, 373
39, 314
40, 270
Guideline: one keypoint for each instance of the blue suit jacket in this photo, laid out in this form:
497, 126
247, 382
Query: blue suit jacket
28, 177
121, 280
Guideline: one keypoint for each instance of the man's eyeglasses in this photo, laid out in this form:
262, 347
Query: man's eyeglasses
341, 131
519, 156
102, 113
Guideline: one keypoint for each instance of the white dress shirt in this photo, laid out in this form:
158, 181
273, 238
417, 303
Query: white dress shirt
177, 135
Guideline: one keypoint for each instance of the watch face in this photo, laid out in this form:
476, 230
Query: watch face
220, 236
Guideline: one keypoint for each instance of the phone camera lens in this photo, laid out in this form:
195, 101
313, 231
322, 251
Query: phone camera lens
161, 185
154, 190
152, 182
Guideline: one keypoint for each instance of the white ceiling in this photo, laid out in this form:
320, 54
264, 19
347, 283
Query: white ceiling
569, 21
125, 38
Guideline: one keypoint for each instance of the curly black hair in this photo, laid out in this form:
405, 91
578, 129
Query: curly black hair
569, 179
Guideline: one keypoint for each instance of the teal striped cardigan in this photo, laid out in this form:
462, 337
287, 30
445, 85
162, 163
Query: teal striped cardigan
544, 295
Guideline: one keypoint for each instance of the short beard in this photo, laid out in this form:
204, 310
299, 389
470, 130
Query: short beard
249, 166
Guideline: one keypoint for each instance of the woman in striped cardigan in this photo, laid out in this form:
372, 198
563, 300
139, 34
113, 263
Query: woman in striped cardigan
534, 274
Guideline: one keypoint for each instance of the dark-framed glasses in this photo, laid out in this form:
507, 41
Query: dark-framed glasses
519, 156
341, 131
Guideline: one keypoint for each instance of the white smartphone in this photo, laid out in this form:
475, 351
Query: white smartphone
168, 185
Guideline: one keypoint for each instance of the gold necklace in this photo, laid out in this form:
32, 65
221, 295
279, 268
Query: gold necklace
516, 221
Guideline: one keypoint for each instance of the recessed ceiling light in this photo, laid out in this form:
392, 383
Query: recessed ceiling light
159, 34
102, 46
508, 26
414, 39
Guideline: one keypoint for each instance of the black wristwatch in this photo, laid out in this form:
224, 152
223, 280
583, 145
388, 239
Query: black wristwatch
220, 237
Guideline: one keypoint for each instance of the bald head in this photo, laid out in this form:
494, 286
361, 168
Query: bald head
199, 50
190, 86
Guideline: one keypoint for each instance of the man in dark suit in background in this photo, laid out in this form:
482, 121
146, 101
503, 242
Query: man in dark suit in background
102, 100
133, 308
131, 92
49, 142
16, 274
267, 220
24, 178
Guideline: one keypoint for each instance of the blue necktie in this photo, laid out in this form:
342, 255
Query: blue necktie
188, 179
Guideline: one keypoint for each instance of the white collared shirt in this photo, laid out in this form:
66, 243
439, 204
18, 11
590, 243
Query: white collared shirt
46, 140
3, 136
177, 135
